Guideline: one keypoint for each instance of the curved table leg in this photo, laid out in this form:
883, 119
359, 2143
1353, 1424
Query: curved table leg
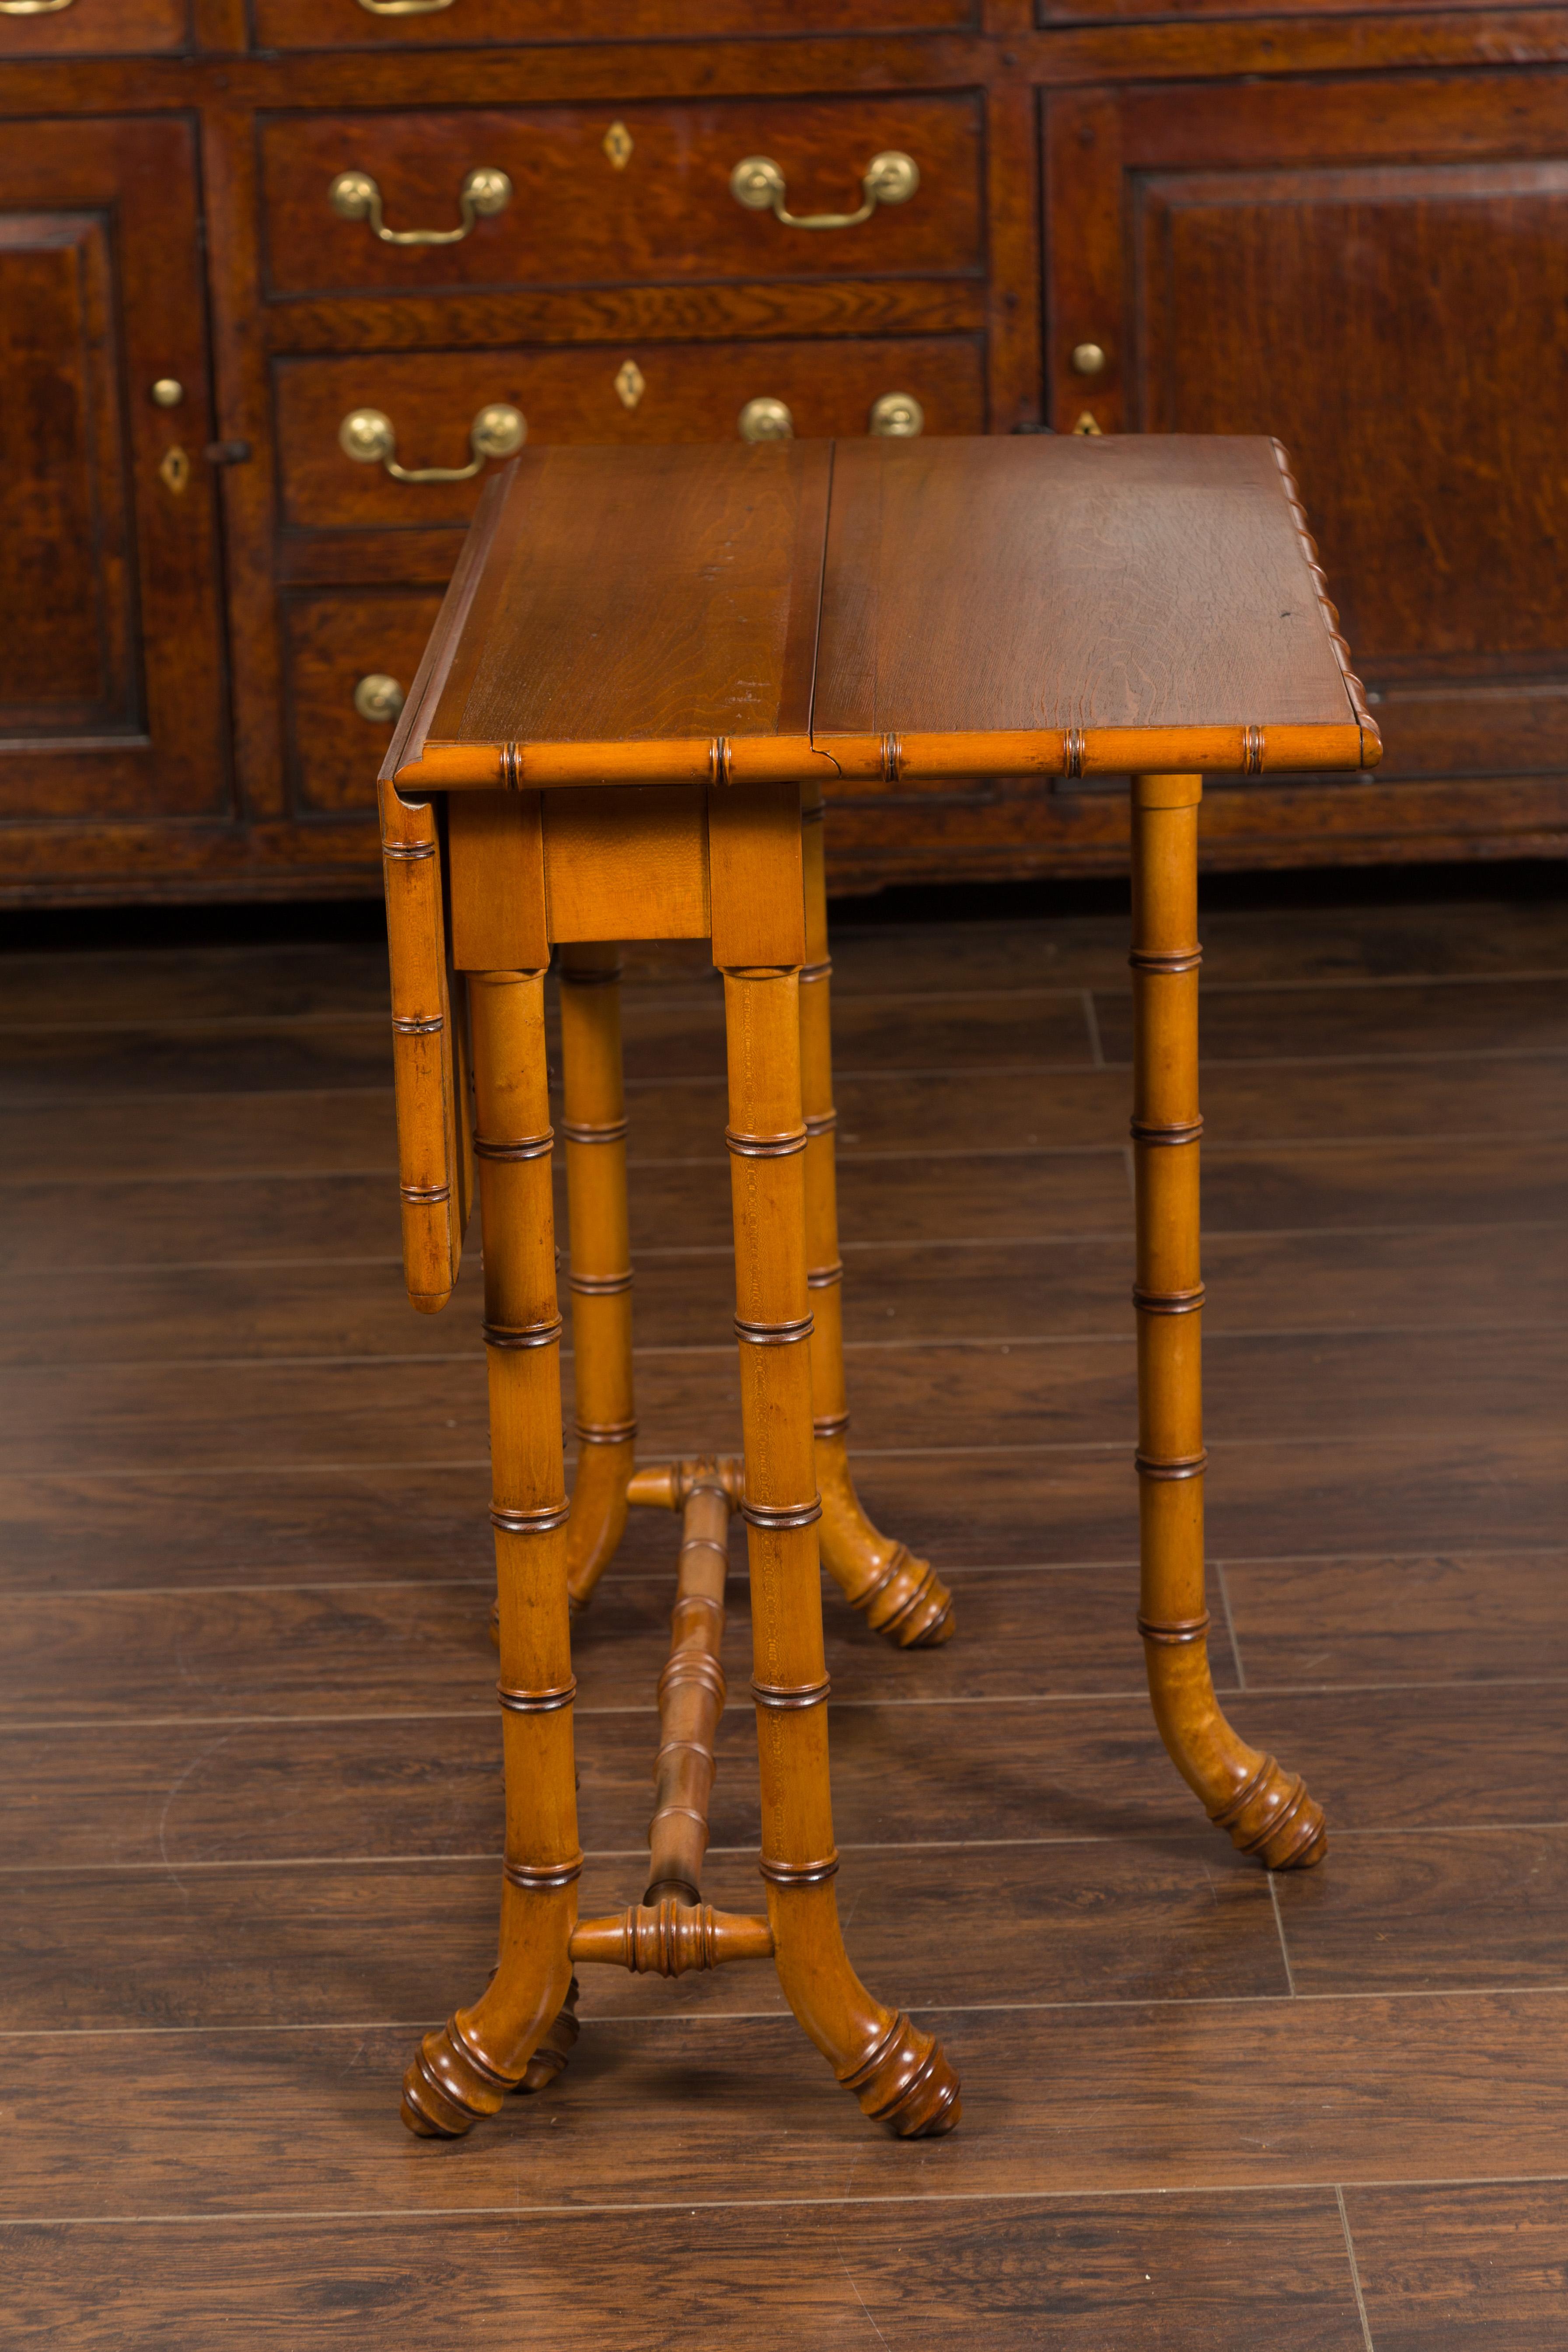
899, 2075
1267, 1810
898, 1595
461, 2073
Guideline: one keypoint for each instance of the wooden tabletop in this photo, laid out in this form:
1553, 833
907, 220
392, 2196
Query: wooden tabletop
868, 609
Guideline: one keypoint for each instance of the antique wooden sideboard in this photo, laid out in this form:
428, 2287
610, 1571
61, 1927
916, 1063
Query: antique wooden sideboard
265, 266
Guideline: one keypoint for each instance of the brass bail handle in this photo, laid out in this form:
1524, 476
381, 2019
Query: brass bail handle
355, 196
888, 179
403, 7
34, 7
366, 434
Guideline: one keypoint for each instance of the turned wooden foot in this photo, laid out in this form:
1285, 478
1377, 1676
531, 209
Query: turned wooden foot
900, 1596
1266, 1810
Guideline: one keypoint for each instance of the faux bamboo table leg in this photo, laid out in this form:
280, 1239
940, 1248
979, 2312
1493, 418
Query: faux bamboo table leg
593, 1124
462, 2072
898, 1595
898, 2074
1267, 1810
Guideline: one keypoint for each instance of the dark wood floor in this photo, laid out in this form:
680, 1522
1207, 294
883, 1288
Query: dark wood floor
250, 1818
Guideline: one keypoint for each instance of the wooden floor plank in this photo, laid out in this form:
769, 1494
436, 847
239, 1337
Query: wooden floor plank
1446, 1617
378, 1648
1172, 1920
422, 1519
1448, 1909
1038, 1632
1178, 2273
1463, 2269
944, 1290
1036, 1031
1516, 1016
226, 1788
1249, 2094
1365, 1385
109, 1139
1486, 1182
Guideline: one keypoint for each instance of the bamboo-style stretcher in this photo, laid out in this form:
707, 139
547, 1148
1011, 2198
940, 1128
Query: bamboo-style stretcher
787, 601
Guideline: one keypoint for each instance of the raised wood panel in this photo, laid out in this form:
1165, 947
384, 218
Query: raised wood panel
1402, 326
693, 392
331, 642
68, 659
98, 28
110, 628
666, 213
350, 25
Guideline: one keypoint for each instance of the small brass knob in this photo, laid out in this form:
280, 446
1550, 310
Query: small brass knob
487, 189
352, 196
892, 178
378, 699
757, 183
366, 434
497, 431
1087, 359
765, 420
168, 391
897, 417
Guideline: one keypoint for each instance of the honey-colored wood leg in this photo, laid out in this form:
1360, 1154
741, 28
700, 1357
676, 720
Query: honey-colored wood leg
899, 2074
463, 2071
593, 1124
1267, 1810
900, 1596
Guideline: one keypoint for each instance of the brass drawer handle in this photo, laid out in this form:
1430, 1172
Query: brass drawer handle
897, 417
367, 436
378, 699
354, 196
34, 7
759, 184
403, 7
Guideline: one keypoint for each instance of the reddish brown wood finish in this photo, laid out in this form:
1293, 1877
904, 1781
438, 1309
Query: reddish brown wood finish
1179, 186
1392, 383
98, 28
111, 680
665, 216
762, 615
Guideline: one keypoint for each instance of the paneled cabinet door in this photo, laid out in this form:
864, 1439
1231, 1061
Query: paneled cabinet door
1259, 259
112, 697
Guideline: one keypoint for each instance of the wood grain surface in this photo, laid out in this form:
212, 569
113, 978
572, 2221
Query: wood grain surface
252, 1788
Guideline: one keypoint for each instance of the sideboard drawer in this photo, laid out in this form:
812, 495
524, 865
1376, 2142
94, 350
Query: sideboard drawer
350, 659
447, 23
662, 391
84, 29
598, 195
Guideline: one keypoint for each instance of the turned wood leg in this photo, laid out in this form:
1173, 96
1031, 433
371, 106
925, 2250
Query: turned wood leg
898, 1595
593, 1123
899, 2075
1266, 1809
463, 2071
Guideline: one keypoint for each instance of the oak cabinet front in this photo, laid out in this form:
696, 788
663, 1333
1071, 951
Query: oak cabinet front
111, 701
1376, 272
